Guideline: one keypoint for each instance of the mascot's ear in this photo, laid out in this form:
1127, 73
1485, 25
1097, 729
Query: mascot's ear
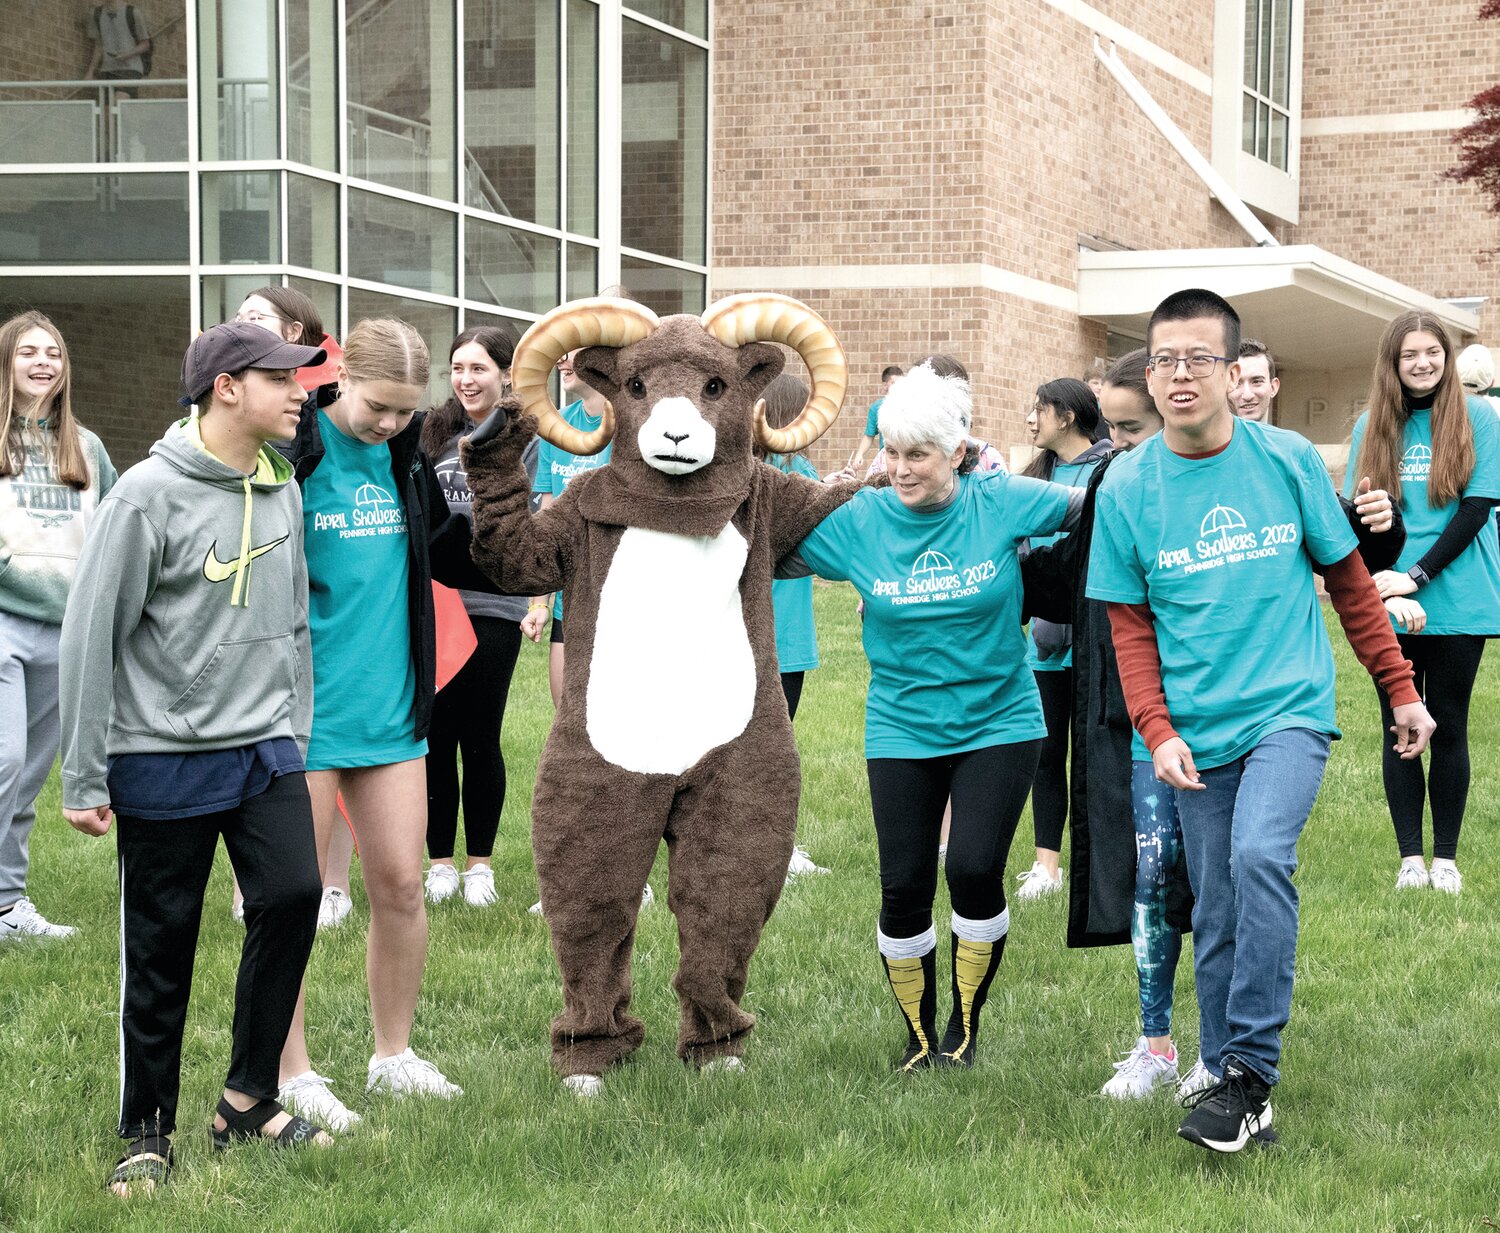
597, 366
760, 364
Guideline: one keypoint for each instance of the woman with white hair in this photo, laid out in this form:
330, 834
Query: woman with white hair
952, 709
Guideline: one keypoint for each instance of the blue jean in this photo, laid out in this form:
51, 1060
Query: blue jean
1241, 834
1158, 946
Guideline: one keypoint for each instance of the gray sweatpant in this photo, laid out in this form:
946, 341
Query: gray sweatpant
28, 738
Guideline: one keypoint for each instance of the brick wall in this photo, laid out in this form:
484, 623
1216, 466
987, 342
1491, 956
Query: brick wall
125, 353
49, 40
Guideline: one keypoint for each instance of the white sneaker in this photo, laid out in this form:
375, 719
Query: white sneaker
335, 907
584, 1085
1141, 1073
802, 863
1036, 882
405, 1074
647, 898
237, 910
725, 1066
442, 883
479, 887
1446, 877
1199, 1079
536, 908
309, 1096
24, 921
1413, 876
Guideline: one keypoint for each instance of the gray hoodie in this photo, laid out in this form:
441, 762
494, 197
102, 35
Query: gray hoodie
186, 627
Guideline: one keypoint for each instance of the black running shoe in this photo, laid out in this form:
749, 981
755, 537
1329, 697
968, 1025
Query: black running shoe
1228, 1115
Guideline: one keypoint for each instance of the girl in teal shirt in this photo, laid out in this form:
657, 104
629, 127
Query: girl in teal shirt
1064, 425
952, 709
1439, 454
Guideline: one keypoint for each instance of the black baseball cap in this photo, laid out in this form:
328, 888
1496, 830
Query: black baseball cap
234, 347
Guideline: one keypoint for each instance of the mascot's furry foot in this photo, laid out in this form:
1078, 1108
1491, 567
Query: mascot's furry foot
586, 1086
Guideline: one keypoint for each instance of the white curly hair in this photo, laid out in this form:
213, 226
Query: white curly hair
926, 409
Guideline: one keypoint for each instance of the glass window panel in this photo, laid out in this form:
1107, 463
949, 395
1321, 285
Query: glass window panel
1252, 30
241, 218
312, 224
436, 323
688, 15
512, 109
325, 296
1263, 51
1280, 125
399, 242
664, 134
223, 294
508, 267
662, 288
237, 79
401, 94
93, 219
1262, 131
583, 118
1281, 52
583, 271
1247, 125
516, 326
312, 88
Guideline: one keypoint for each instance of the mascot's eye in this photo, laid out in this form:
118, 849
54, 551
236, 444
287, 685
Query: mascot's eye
637, 388
714, 388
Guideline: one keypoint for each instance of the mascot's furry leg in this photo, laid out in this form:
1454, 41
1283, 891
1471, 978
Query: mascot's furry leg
592, 859
729, 840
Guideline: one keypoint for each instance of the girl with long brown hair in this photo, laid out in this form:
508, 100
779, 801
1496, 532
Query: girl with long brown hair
53, 472
1438, 454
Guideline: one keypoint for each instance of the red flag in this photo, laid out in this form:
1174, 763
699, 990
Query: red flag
455, 633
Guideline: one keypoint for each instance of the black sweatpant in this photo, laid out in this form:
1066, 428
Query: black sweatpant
988, 788
164, 868
791, 686
1446, 665
1049, 795
466, 715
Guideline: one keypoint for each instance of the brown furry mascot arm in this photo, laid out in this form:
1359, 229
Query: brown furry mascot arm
524, 553
799, 504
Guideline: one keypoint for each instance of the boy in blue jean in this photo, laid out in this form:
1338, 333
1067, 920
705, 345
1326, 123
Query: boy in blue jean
1201, 531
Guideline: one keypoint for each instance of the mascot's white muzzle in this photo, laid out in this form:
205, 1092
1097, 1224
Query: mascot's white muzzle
676, 439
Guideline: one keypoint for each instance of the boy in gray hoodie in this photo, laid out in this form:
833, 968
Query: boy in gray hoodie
186, 697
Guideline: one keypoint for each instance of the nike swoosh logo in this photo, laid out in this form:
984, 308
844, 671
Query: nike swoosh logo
216, 570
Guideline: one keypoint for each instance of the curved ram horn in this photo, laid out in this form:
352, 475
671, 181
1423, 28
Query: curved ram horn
767, 317
598, 322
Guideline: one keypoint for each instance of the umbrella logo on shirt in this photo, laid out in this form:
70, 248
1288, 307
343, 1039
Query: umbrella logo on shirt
1221, 521
372, 496
1416, 463
930, 564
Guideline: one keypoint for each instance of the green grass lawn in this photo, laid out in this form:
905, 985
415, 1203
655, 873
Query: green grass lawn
1389, 1113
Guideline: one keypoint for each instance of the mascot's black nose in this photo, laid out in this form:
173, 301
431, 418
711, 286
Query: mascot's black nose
675, 439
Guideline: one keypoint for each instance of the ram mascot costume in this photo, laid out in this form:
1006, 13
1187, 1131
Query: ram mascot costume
672, 724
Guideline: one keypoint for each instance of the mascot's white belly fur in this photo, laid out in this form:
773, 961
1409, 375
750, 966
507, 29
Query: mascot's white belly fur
672, 674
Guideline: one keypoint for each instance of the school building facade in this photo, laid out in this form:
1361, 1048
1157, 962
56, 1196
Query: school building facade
1016, 182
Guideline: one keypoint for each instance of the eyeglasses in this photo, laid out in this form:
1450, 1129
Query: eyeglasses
254, 316
1197, 365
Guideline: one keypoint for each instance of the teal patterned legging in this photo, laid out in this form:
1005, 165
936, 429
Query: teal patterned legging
1158, 840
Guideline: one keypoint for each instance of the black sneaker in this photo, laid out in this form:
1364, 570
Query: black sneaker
1228, 1115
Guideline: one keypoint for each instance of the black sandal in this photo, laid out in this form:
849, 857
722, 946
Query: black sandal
148, 1159
298, 1132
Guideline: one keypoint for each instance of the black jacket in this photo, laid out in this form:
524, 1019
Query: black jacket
437, 541
1101, 878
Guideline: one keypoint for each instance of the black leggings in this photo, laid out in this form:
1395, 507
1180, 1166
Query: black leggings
791, 686
1049, 796
466, 715
988, 788
1446, 665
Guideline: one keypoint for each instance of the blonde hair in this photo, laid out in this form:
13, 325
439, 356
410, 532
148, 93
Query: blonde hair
384, 349
63, 444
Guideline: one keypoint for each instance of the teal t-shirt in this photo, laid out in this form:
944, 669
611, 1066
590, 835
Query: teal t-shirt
364, 680
872, 423
942, 627
1219, 548
791, 598
556, 468
1465, 597
1074, 475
